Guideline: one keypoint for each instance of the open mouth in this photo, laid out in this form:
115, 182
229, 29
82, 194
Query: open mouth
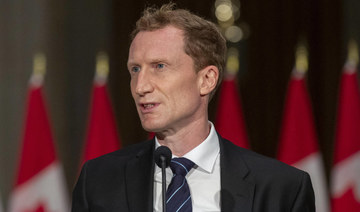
148, 106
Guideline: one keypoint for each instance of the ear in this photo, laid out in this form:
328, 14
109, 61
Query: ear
208, 78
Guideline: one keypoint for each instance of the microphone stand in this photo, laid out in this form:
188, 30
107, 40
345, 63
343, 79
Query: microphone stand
162, 157
163, 171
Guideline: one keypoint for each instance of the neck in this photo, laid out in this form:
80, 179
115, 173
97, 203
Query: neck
185, 139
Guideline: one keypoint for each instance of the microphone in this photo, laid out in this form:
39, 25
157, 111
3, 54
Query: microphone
162, 157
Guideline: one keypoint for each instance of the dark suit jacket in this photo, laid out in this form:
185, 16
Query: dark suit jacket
123, 181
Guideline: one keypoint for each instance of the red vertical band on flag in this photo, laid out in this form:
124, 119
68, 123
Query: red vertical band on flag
102, 136
38, 150
345, 174
298, 140
229, 119
298, 137
151, 135
348, 127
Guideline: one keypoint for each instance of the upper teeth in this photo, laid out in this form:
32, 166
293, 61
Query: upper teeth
148, 105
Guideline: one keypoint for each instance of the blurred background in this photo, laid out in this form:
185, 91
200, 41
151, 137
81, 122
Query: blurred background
72, 33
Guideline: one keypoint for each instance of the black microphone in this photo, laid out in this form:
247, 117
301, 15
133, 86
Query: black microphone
162, 156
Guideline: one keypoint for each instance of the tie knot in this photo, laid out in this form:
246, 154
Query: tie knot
181, 166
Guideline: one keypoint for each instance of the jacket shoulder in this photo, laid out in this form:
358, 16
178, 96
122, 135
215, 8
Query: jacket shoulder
279, 187
260, 166
121, 156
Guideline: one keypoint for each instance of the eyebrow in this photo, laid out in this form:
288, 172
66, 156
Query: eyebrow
150, 61
131, 63
163, 59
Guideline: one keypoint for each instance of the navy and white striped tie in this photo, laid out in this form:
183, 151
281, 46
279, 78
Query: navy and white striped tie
178, 194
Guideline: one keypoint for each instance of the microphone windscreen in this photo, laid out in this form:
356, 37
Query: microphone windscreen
165, 152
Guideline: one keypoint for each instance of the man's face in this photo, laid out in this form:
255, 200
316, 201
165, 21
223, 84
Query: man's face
164, 84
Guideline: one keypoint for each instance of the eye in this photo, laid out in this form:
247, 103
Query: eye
135, 69
160, 65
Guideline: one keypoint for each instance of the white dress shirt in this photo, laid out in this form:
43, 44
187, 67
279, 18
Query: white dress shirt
203, 179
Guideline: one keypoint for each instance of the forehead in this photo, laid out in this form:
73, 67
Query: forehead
165, 41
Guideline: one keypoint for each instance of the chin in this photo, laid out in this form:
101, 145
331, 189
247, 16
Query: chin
150, 127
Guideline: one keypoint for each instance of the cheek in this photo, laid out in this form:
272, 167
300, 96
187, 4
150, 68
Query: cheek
132, 86
189, 89
185, 96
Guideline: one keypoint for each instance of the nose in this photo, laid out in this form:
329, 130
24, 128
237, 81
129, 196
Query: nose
143, 83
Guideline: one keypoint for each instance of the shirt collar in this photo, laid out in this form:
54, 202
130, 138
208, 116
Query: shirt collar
205, 154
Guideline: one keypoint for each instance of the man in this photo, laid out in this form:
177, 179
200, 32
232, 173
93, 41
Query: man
176, 62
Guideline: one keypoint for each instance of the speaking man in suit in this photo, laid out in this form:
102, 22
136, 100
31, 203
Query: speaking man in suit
176, 62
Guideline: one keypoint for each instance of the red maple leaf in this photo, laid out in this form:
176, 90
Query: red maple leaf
39, 208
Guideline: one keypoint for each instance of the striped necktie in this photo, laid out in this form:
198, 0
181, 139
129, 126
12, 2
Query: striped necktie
178, 194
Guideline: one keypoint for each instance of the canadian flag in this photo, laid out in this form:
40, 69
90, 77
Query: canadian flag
151, 135
102, 136
298, 141
40, 184
345, 174
229, 119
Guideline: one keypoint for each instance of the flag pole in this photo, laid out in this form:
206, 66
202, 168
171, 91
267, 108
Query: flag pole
301, 60
102, 68
39, 69
232, 63
353, 54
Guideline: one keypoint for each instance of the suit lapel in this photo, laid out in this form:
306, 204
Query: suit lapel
237, 190
140, 179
